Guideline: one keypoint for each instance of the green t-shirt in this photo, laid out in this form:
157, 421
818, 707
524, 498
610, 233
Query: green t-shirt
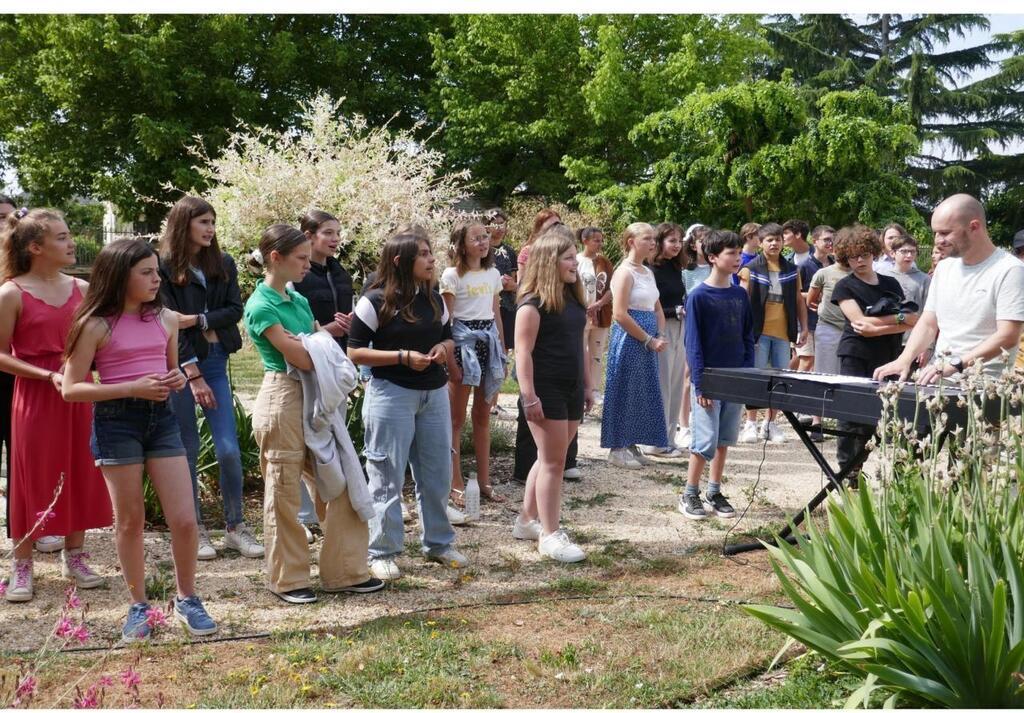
265, 308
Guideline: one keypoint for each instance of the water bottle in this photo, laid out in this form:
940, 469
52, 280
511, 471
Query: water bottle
471, 497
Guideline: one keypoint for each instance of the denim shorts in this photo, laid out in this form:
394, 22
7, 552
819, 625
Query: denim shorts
713, 427
130, 431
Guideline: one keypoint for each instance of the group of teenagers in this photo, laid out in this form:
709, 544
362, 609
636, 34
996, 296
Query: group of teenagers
157, 329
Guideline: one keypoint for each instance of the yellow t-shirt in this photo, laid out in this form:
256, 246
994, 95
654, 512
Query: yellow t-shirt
774, 310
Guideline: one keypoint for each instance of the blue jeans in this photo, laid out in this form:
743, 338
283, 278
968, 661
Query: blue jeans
408, 427
771, 351
713, 427
225, 436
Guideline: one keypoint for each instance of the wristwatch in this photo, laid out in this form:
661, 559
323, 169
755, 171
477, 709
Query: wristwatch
901, 317
957, 363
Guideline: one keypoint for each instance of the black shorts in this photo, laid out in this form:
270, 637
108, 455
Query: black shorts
560, 399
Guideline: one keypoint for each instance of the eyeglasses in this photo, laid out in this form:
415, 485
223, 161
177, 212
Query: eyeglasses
485, 238
907, 251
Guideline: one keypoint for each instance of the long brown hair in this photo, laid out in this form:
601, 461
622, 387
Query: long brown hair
457, 248
175, 243
661, 232
108, 287
542, 274
396, 279
543, 216
21, 229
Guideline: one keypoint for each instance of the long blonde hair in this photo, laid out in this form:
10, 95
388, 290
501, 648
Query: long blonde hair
541, 276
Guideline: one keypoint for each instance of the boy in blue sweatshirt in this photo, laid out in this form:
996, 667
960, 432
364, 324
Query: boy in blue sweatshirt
719, 333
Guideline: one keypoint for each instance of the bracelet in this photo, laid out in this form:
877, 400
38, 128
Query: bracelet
399, 357
49, 377
532, 403
193, 378
647, 342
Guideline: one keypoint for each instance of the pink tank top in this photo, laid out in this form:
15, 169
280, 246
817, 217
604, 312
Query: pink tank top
137, 347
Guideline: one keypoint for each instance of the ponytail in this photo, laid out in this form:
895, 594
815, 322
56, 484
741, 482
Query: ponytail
22, 228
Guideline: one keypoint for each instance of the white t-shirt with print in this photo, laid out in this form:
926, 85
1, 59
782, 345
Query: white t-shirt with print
474, 292
968, 300
588, 275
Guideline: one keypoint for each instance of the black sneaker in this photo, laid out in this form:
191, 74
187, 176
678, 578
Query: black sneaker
816, 437
371, 585
719, 505
691, 507
297, 596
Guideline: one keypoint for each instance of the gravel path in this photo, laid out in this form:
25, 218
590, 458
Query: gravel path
623, 516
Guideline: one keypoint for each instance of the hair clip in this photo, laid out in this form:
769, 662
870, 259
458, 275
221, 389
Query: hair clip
257, 256
21, 213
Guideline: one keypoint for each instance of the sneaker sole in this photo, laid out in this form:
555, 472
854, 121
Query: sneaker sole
243, 554
682, 511
290, 599
564, 560
48, 549
18, 598
449, 564
207, 558
195, 632
98, 582
356, 590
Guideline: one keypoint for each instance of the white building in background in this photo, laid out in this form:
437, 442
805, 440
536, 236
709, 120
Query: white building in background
113, 226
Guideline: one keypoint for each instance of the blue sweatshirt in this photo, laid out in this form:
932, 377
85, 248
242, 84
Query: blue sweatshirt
719, 330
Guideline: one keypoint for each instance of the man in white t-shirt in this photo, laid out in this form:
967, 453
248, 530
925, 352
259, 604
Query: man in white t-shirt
975, 303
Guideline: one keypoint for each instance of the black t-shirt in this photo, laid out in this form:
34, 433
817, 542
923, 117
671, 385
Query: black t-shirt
506, 261
329, 289
874, 350
558, 351
807, 271
671, 289
420, 336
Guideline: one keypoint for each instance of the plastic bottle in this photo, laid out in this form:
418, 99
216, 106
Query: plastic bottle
471, 497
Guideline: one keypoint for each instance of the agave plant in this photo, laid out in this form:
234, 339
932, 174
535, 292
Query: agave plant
917, 583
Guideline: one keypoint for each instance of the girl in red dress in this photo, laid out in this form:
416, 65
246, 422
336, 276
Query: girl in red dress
49, 437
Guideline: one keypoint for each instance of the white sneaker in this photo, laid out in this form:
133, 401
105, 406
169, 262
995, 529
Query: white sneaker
639, 457
206, 551
750, 433
526, 530
622, 458
385, 568
456, 516
406, 512
682, 438
19, 586
310, 535
774, 433
651, 450
449, 557
571, 474
559, 547
49, 543
244, 541
73, 565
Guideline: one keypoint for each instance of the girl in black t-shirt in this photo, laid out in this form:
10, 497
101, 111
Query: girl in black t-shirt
867, 342
554, 386
406, 413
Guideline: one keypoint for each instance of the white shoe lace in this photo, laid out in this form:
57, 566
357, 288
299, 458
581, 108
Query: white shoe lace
246, 537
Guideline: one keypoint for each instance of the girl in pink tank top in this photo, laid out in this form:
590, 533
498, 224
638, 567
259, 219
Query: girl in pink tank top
133, 342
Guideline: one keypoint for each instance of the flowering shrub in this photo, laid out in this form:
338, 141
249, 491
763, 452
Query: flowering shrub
918, 583
371, 179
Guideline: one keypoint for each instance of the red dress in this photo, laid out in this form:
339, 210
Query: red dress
50, 436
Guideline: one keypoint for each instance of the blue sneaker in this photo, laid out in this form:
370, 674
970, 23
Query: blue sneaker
191, 613
137, 627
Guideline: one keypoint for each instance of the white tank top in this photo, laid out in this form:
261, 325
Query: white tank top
645, 290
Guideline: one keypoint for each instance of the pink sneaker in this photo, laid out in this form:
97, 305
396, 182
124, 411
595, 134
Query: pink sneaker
19, 586
73, 565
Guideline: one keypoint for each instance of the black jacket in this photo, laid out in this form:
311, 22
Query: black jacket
220, 300
328, 289
759, 287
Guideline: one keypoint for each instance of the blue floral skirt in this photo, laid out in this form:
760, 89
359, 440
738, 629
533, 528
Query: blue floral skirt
633, 412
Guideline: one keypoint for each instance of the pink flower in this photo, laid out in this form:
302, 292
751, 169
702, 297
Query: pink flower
3, 587
106, 681
156, 618
90, 699
130, 678
25, 690
44, 516
71, 600
64, 628
80, 633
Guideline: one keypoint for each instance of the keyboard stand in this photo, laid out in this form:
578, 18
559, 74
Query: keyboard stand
835, 480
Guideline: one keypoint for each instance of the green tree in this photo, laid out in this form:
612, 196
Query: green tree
905, 57
508, 91
756, 151
105, 105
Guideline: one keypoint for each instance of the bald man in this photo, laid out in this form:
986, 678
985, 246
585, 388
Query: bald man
976, 302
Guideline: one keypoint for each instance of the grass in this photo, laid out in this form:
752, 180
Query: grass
808, 683
246, 371
596, 500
